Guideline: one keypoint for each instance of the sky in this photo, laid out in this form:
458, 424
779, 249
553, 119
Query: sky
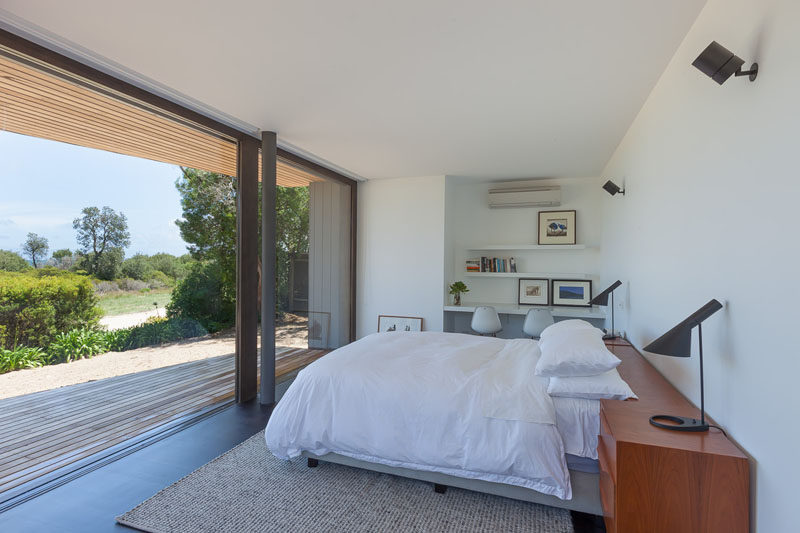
45, 184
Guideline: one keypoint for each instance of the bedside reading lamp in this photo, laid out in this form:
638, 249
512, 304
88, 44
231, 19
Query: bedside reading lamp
602, 299
677, 342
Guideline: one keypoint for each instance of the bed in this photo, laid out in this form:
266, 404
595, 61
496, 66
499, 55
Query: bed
452, 409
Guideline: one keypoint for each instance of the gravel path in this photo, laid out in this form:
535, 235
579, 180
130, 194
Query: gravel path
130, 319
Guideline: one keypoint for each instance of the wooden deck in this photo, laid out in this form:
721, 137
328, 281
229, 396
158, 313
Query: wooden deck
46, 431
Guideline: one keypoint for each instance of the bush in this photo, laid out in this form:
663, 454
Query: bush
158, 280
134, 285
137, 267
108, 265
200, 297
171, 266
36, 305
154, 331
77, 344
104, 287
12, 262
22, 357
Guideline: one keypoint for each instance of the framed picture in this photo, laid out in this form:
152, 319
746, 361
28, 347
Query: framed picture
399, 323
534, 291
557, 227
572, 292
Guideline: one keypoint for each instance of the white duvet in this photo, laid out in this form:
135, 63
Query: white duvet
458, 404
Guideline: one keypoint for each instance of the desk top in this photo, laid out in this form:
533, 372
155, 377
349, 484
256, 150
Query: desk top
630, 420
514, 309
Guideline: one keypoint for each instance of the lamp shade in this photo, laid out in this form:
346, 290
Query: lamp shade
536, 320
485, 320
602, 298
677, 342
717, 62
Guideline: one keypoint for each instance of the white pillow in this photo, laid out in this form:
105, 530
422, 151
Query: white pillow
565, 325
606, 386
578, 352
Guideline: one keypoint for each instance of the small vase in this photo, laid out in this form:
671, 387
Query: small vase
457, 298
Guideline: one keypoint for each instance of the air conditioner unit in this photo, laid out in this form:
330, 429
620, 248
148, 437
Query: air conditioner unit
522, 194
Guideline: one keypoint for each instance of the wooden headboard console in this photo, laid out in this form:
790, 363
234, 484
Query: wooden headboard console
657, 480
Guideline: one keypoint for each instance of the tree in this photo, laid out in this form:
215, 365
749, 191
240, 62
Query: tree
35, 247
98, 232
62, 253
12, 262
208, 201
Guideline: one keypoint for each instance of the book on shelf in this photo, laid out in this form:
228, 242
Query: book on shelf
492, 264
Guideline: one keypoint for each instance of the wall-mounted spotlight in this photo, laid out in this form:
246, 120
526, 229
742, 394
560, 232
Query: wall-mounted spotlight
612, 188
719, 63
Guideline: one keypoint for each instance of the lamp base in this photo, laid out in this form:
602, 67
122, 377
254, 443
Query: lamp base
679, 423
610, 336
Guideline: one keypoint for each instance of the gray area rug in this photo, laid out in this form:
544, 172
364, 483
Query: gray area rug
250, 490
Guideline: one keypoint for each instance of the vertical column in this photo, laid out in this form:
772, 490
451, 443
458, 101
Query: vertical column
247, 271
269, 161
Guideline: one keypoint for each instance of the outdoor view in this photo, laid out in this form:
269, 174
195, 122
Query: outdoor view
102, 255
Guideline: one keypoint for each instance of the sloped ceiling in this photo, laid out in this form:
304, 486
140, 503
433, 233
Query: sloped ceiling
386, 89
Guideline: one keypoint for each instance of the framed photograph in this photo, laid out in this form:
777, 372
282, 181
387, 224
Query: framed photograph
557, 227
572, 292
399, 323
534, 291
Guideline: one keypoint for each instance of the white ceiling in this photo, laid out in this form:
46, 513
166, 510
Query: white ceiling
400, 88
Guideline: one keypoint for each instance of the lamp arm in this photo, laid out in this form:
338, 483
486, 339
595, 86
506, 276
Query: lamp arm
612, 313
702, 392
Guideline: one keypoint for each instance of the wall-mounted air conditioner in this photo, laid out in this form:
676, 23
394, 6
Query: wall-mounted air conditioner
523, 194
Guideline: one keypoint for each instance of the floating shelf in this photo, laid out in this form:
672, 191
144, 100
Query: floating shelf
549, 275
530, 247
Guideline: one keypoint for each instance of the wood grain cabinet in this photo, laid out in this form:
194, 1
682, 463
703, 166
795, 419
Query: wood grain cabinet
655, 480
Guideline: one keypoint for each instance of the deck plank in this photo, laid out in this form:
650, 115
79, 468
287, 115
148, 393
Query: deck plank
49, 430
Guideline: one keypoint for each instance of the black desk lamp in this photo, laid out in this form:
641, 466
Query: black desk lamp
602, 299
677, 342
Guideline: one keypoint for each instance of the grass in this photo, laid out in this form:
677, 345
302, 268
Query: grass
122, 303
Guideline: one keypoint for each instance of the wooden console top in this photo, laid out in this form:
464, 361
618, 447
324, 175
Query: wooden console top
657, 480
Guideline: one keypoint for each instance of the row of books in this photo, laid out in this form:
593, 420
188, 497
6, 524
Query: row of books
491, 264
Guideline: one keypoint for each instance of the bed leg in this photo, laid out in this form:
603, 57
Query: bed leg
439, 489
313, 463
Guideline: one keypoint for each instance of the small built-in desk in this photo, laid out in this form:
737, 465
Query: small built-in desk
513, 309
457, 318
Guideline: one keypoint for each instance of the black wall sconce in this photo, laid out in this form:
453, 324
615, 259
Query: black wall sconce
612, 188
719, 63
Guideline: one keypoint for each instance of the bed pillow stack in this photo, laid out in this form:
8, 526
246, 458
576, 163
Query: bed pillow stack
579, 365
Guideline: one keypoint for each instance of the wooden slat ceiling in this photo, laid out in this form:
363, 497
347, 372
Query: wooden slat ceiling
40, 101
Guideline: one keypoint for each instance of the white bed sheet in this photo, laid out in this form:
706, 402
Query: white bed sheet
578, 422
458, 404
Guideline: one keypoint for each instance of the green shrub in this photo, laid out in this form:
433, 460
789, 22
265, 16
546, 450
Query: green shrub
37, 304
117, 340
137, 267
22, 357
77, 344
200, 297
154, 331
12, 262
158, 280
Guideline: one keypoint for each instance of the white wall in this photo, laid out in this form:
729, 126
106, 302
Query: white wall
400, 251
711, 174
471, 222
